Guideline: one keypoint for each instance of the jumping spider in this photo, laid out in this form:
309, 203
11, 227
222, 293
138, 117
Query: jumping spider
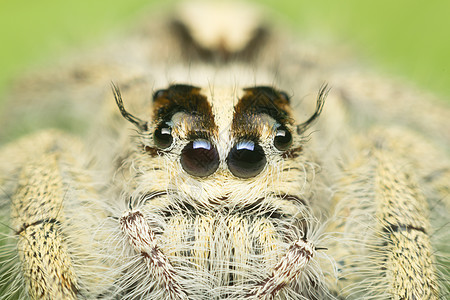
216, 187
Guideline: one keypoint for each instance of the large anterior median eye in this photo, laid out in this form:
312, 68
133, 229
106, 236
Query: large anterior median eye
163, 136
199, 158
283, 138
246, 159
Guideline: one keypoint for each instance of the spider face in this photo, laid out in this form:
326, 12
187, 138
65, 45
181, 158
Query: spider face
233, 203
247, 143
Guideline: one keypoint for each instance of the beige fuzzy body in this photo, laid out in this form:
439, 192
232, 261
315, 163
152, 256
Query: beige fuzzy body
358, 209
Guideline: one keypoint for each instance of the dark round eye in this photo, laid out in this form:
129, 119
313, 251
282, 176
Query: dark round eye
283, 138
246, 159
199, 158
163, 136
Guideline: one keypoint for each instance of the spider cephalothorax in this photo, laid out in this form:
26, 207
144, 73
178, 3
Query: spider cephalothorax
221, 185
232, 204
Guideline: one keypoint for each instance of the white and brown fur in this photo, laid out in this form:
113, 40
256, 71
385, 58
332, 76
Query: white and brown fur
124, 220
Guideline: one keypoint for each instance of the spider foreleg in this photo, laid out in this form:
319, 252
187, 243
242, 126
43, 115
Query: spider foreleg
290, 267
142, 239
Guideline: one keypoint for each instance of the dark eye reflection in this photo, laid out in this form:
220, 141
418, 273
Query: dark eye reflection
283, 138
163, 136
199, 158
246, 159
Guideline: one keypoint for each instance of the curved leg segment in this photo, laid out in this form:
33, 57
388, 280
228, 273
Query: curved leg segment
383, 226
37, 213
37, 218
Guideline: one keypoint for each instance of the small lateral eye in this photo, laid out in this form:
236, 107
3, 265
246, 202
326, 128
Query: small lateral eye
246, 159
199, 158
283, 138
163, 136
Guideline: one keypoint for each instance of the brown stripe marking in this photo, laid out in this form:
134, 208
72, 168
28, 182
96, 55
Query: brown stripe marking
187, 99
256, 101
25, 226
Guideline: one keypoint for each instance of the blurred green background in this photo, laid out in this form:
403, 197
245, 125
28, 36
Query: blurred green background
409, 38
406, 38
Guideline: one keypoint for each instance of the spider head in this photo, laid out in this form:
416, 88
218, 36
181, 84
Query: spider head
224, 147
223, 171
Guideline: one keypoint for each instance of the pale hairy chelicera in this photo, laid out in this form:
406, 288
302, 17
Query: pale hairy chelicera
221, 166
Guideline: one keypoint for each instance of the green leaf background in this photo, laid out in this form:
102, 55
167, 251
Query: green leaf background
406, 38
